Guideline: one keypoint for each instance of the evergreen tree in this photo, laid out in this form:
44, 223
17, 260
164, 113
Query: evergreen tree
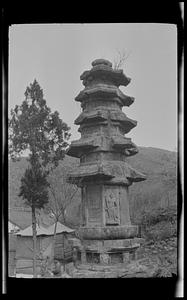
34, 128
33, 189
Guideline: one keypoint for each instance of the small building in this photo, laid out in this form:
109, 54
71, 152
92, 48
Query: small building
11, 254
18, 219
12, 227
45, 238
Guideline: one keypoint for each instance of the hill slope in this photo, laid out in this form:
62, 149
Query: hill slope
159, 190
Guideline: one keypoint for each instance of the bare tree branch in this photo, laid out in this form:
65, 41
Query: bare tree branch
61, 193
120, 59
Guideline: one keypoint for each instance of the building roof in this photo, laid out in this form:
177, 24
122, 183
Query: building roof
45, 231
20, 218
23, 218
60, 228
12, 227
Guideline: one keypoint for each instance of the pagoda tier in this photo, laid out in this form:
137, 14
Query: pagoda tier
101, 114
102, 69
98, 143
101, 90
104, 174
106, 170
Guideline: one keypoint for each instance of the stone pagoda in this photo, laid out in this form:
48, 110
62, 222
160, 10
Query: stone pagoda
104, 176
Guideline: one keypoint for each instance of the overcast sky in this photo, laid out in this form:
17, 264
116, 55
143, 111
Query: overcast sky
57, 54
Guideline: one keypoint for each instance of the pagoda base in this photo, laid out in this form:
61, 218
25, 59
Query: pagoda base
108, 244
108, 252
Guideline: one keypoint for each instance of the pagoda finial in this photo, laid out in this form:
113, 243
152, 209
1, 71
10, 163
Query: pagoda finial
101, 61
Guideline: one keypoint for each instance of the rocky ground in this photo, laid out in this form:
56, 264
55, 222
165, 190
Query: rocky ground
154, 259
160, 255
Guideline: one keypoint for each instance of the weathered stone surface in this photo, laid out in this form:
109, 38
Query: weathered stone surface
104, 258
103, 174
122, 243
77, 148
83, 257
110, 247
105, 90
124, 145
95, 244
74, 242
101, 61
102, 71
107, 169
100, 115
108, 232
126, 257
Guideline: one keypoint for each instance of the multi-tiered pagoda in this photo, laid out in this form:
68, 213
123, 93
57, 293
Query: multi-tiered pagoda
104, 176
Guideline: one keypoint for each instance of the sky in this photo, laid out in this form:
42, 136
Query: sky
57, 54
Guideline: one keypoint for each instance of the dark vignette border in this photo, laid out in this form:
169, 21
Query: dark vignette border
140, 12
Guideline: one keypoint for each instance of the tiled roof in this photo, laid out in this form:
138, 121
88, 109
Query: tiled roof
23, 218
20, 218
45, 231
12, 227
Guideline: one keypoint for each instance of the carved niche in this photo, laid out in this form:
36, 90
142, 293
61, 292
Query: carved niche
94, 202
111, 199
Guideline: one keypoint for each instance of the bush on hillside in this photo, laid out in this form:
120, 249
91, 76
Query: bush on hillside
160, 231
160, 214
160, 223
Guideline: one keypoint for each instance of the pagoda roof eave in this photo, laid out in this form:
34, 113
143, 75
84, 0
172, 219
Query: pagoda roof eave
102, 115
78, 147
131, 151
85, 116
109, 169
125, 146
122, 142
104, 90
116, 75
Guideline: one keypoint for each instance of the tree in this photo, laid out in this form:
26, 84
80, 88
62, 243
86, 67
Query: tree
61, 193
34, 190
61, 196
33, 128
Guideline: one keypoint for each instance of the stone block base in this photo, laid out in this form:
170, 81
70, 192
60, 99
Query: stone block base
108, 251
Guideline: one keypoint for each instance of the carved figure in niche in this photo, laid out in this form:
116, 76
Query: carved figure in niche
111, 209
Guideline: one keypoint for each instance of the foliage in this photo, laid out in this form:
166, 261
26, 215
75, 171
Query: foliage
159, 215
159, 224
34, 187
35, 128
160, 231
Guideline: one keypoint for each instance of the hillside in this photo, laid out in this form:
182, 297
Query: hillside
159, 190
